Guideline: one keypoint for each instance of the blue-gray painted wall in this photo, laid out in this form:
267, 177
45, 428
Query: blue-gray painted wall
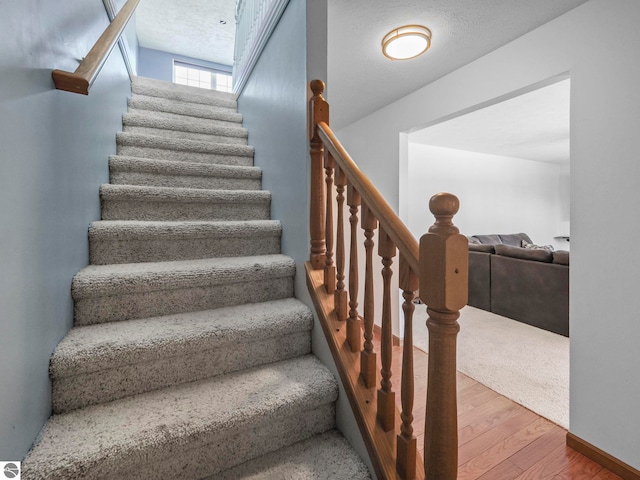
274, 107
54, 148
159, 65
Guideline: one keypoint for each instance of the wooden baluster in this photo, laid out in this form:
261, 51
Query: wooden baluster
353, 323
444, 273
368, 356
406, 451
329, 269
318, 112
386, 397
340, 295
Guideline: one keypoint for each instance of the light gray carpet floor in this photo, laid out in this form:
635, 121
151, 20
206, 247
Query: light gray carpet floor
524, 363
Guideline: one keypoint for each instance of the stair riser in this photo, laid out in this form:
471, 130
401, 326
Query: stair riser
92, 310
183, 181
115, 251
185, 156
161, 132
212, 454
70, 393
139, 209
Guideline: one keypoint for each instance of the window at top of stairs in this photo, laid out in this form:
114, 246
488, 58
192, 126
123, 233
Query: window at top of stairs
201, 77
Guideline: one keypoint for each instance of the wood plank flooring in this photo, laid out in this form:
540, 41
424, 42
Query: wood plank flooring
499, 439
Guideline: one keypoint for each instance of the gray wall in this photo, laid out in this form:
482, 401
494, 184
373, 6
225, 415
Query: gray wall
274, 105
158, 64
53, 157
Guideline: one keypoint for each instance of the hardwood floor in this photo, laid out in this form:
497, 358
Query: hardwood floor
499, 439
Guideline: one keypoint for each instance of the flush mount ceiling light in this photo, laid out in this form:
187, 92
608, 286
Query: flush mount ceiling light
406, 42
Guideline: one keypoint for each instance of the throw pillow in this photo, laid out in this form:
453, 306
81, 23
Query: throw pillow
531, 246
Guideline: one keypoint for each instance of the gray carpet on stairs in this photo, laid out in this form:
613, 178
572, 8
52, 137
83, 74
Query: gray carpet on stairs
189, 356
117, 241
195, 429
165, 173
158, 123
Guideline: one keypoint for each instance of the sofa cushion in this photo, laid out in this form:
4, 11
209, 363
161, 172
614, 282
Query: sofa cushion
514, 239
488, 239
561, 257
524, 253
478, 247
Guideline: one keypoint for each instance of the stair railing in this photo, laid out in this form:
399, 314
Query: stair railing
82, 79
437, 267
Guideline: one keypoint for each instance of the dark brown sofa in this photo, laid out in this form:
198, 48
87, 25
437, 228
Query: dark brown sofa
531, 286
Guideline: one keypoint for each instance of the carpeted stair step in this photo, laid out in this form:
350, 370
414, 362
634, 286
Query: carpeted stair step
116, 241
166, 173
152, 146
192, 430
181, 126
108, 293
184, 93
133, 202
327, 456
101, 363
191, 100
158, 104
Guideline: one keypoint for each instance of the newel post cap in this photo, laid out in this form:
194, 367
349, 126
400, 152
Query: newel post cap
444, 258
318, 109
317, 87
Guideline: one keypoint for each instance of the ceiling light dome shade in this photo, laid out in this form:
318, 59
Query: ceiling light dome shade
406, 42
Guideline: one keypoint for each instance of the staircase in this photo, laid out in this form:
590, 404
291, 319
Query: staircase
189, 357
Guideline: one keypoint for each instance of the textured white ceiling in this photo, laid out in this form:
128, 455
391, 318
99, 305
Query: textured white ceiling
361, 80
188, 27
533, 126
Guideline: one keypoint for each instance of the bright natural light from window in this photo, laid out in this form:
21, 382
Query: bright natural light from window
223, 82
201, 77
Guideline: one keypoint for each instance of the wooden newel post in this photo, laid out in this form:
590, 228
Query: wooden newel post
318, 112
444, 272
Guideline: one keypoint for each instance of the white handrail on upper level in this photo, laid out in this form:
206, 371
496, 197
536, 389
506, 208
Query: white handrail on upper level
255, 22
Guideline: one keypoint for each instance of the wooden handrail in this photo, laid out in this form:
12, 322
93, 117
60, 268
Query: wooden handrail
437, 267
395, 228
82, 79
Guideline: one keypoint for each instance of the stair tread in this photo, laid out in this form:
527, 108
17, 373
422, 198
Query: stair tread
327, 456
152, 165
147, 229
153, 119
188, 99
100, 280
103, 437
182, 144
146, 102
114, 192
216, 119
147, 84
99, 347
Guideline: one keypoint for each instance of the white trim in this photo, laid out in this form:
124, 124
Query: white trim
112, 9
255, 22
